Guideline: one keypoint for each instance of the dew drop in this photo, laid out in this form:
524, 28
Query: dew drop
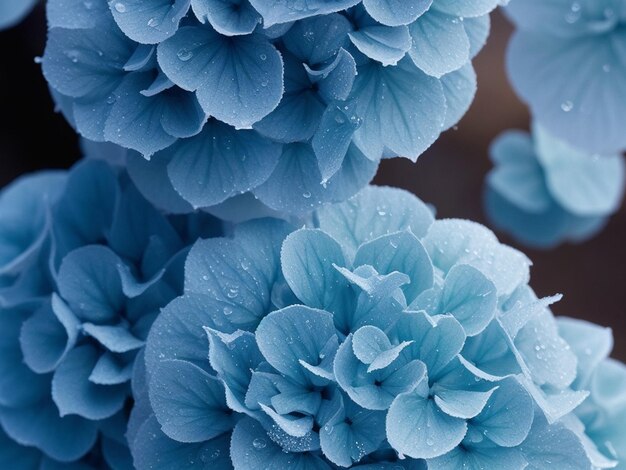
567, 106
153, 22
184, 54
259, 444
120, 7
306, 195
263, 57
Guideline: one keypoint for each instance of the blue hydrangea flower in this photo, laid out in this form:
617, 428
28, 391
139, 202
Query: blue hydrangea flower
86, 265
544, 191
581, 105
375, 337
11, 13
281, 105
602, 415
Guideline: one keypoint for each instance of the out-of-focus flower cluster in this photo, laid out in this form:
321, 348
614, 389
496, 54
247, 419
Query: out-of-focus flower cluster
567, 60
374, 338
544, 191
292, 101
86, 263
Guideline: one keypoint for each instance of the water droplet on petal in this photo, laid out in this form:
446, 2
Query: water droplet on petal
567, 106
184, 54
259, 444
120, 7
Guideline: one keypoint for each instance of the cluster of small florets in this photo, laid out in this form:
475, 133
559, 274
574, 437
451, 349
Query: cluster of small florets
85, 266
376, 338
293, 101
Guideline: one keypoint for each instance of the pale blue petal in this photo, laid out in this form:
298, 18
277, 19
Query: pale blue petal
149, 22
73, 393
239, 80
375, 211
189, 404
396, 12
416, 427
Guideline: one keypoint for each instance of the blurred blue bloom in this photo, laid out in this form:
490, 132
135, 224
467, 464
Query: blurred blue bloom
544, 191
285, 105
11, 13
86, 265
579, 105
376, 337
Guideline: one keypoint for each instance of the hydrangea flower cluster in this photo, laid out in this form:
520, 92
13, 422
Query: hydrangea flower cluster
289, 102
11, 13
373, 338
85, 266
566, 60
544, 191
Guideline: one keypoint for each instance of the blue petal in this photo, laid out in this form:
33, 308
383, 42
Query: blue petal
65, 439
466, 9
375, 390
75, 14
459, 87
12, 454
401, 252
178, 332
90, 184
452, 241
375, 211
477, 29
252, 448
234, 357
48, 335
148, 22
418, 428
219, 163
110, 370
396, 12
292, 335
24, 217
73, 393
583, 184
554, 446
385, 44
403, 110
298, 114
238, 80
189, 403
19, 385
352, 434
591, 343
154, 450
440, 43
147, 123
90, 283
74, 66
214, 267
152, 179
462, 403
333, 138
230, 17
318, 39
579, 106
284, 11
307, 259
518, 176
508, 416
436, 341
482, 455
115, 338
470, 297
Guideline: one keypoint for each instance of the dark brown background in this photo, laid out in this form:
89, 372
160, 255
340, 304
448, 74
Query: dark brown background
450, 175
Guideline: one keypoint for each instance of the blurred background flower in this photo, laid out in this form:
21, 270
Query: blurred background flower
450, 175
